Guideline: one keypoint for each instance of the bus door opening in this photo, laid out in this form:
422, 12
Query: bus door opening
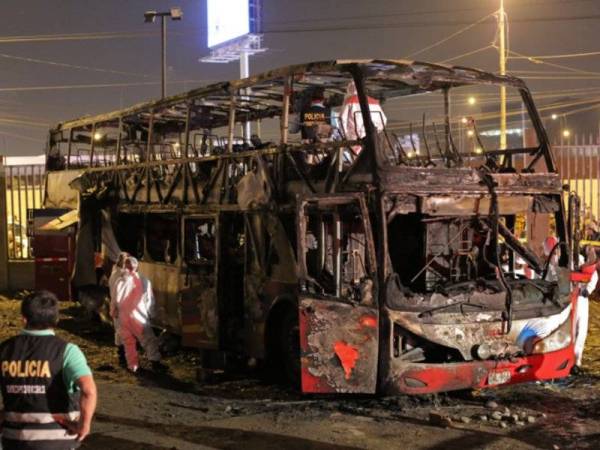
338, 312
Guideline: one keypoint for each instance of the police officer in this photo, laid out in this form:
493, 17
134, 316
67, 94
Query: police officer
47, 387
314, 116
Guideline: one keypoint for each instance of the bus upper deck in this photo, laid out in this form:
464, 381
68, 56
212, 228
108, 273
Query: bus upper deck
431, 123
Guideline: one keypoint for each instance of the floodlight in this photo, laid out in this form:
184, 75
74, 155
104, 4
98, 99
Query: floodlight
176, 13
150, 16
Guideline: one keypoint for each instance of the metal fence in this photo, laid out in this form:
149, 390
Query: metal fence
24, 191
578, 162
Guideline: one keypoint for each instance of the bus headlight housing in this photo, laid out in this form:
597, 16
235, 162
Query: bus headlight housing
557, 340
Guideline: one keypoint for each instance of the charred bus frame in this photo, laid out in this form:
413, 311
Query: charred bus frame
255, 250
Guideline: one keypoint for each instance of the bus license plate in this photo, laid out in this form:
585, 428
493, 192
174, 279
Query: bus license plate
501, 377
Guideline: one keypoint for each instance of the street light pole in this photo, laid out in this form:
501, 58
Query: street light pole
163, 32
502, 48
150, 17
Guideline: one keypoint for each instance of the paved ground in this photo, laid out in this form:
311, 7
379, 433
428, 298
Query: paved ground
174, 412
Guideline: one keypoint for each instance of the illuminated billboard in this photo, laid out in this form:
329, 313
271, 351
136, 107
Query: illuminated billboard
227, 20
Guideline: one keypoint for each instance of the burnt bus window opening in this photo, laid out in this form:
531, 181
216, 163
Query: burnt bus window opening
336, 257
162, 237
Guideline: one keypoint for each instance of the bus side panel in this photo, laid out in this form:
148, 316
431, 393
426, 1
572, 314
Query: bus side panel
165, 284
339, 347
199, 316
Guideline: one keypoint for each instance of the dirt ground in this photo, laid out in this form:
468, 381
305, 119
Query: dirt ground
176, 412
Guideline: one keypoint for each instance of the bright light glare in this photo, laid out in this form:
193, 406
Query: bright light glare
554, 116
97, 136
478, 150
227, 20
470, 133
472, 101
464, 120
566, 133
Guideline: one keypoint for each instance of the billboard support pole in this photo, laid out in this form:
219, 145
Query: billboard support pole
245, 73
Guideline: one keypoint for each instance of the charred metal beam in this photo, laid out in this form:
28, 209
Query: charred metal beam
231, 124
301, 173
494, 215
528, 255
92, 144
119, 141
426, 142
447, 142
69, 149
150, 155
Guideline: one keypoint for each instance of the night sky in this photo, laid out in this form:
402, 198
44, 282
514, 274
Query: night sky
295, 31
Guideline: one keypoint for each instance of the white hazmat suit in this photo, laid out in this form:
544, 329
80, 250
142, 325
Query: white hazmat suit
116, 273
583, 307
134, 305
351, 118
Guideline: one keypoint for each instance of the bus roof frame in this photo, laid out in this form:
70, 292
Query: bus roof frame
417, 76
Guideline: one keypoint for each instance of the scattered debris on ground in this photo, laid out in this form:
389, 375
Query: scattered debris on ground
174, 411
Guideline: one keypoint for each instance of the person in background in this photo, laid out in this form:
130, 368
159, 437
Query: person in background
589, 266
116, 273
48, 390
552, 256
314, 118
351, 118
133, 308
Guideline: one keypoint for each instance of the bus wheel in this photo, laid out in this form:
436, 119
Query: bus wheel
289, 347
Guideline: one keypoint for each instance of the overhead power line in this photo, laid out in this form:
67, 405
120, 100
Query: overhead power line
429, 12
563, 56
92, 86
450, 37
70, 66
464, 55
424, 24
74, 37
21, 136
26, 123
558, 66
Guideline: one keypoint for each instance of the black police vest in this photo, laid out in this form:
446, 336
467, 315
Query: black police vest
36, 401
314, 115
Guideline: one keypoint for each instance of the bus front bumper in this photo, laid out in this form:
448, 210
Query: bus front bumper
416, 378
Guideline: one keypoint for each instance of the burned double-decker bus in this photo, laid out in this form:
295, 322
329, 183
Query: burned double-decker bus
384, 244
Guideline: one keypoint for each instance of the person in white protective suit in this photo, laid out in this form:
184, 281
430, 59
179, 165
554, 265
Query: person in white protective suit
583, 307
116, 273
549, 243
351, 119
133, 307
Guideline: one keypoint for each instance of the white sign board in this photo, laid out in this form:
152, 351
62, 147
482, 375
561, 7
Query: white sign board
227, 20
